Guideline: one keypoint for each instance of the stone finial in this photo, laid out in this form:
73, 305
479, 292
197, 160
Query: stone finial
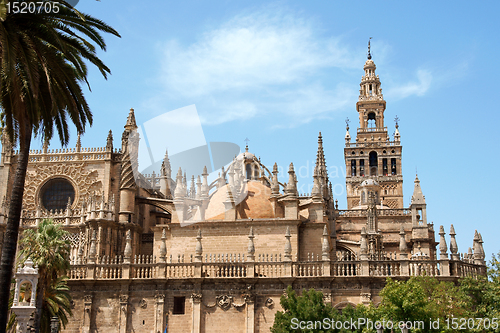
130, 124
470, 254
109, 141
453, 244
275, 186
93, 250
288, 245
364, 244
443, 248
291, 187
163, 246
325, 247
476, 246
184, 185
166, 168
403, 248
417, 197
316, 190
78, 143
199, 248
179, 188
204, 184
127, 253
198, 187
251, 246
192, 190
481, 246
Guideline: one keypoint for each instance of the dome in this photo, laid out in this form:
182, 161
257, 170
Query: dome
246, 155
369, 182
255, 205
369, 64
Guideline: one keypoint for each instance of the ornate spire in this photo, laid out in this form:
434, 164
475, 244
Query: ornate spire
453, 244
443, 248
78, 143
291, 187
179, 193
417, 197
130, 124
109, 141
275, 186
192, 190
204, 184
166, 168
322, 170
316, 190
369, 47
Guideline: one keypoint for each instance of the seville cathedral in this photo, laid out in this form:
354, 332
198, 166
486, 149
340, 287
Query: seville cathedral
155, 250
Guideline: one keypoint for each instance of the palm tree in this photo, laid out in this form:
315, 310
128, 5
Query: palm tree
50, 252
42, 59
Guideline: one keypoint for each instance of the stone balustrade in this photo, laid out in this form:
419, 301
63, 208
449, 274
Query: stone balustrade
71, 154
234, 266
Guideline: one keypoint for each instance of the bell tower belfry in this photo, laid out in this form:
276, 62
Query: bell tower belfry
373, 155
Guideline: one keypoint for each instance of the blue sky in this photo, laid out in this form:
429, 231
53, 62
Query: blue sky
277, 73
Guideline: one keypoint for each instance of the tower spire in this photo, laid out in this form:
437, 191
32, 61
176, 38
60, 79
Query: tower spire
369, 54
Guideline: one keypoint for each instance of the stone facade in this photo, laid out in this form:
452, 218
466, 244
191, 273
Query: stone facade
150, 250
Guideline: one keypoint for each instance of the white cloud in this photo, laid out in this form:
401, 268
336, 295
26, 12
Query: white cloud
248, 52
269, 63
419, 87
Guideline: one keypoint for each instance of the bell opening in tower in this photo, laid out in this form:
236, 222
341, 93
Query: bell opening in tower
371, 120
373, 163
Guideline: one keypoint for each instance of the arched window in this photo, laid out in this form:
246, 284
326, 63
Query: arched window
353, 167
394, 170
248, 169
372, 120
373, 163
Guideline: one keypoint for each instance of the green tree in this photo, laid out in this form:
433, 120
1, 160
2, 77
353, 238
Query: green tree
42, 59
50, 252
421, 299
315, 316
484, 293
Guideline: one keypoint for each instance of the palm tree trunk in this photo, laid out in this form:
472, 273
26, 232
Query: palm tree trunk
39, 302
12, 229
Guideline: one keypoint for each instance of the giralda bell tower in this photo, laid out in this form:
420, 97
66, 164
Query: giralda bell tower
373, 155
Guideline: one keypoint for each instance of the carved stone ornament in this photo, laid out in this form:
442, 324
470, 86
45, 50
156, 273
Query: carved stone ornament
269, 303
124, 299
327, 298
88, 299
143, 303
224, 301
86, 181
196, 297
249, 298
160, 298
366, 297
